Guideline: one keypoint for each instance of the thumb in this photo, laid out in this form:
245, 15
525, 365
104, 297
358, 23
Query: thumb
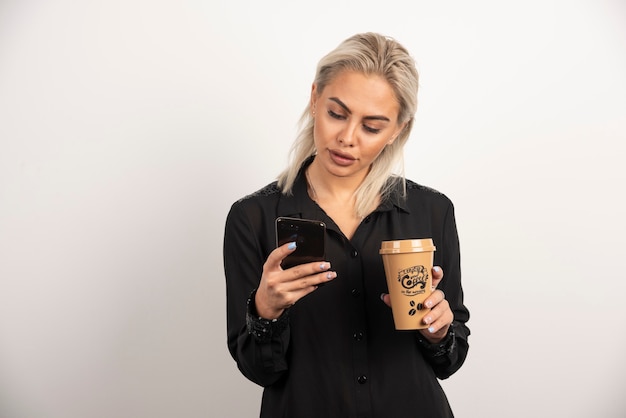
276, 257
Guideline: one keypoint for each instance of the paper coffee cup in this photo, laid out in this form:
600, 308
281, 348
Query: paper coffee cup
408, 268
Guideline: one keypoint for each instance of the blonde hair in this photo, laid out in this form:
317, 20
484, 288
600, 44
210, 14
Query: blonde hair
371, 54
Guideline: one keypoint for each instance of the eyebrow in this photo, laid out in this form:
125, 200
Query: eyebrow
343, 105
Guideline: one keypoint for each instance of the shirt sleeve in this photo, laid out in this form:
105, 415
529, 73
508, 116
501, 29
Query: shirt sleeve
449, 355
258, 346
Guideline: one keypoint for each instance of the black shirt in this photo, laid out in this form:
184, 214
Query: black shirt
336, 352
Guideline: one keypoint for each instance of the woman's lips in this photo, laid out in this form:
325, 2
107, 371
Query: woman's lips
341, 158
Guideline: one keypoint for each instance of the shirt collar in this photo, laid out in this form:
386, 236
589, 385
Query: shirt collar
395, 198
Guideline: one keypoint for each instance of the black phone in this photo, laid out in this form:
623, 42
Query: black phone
309, 236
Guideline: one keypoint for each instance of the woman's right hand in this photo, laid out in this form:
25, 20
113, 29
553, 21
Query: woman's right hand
279, 289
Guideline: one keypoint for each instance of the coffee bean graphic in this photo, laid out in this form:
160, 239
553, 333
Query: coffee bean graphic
412, 312
419, 306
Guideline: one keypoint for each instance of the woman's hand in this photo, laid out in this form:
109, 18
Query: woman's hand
440, 316
279, 289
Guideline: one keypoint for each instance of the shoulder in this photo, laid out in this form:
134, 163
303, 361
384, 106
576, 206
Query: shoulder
416, 192
413, 187
257, 202
268, 192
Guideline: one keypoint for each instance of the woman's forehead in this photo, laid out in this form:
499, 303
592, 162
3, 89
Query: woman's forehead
362, 93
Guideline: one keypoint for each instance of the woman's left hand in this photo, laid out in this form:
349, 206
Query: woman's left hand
440, 316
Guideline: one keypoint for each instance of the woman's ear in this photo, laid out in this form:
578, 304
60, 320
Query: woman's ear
313, 99
397, 133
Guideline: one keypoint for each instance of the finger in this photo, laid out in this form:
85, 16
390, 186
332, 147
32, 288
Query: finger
436, 331
442, 309
311, 280
297, 289
300, 280
435, 298
308, 269
278, 255
437, 273
439, 318
386, 298
441, 324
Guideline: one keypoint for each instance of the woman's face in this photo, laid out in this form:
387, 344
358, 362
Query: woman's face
356, 117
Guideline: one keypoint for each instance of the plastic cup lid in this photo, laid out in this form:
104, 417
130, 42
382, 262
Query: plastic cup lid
407, 246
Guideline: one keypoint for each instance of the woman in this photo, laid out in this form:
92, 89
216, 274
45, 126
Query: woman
320, 337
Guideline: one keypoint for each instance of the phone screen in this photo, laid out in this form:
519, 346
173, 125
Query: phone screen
308, 235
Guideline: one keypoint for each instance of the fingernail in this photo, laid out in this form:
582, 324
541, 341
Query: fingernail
428, 320
382, 297
331, 275
323, 266
437, 269
429, 304
292, 246
431, 330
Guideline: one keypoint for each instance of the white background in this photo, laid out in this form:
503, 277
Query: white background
128, 128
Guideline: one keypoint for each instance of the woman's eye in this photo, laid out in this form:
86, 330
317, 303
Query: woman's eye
367, 128
335, 115
371, 130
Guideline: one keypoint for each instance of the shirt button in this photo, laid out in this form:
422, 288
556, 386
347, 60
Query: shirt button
355, 292
362, 379
354, 253
358, 336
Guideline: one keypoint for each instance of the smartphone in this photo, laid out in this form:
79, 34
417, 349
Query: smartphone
309, 236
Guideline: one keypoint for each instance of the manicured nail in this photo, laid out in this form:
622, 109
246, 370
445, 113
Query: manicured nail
437, 269
292, 246
382, 297
431, 330
428, 320
429, 304
331, 275
323, 266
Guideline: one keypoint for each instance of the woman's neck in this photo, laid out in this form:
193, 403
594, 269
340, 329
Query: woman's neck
323, 186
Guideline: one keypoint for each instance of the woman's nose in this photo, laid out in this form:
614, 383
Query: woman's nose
347, 137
